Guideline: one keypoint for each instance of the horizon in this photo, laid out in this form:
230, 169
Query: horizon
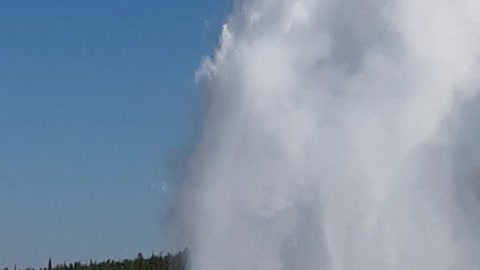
54, 263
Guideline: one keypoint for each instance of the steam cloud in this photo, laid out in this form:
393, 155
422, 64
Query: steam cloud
338, 135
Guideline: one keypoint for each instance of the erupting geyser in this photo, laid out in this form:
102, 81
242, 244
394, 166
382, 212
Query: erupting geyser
327, 139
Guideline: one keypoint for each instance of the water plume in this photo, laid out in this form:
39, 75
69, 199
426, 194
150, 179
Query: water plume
330, 138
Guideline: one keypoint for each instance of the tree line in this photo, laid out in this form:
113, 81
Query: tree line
160, 261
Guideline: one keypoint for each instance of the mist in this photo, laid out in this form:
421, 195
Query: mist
337, 135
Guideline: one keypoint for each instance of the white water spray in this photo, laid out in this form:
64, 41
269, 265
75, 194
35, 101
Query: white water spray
324, 143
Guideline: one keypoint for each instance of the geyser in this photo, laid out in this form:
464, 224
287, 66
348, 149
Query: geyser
326, 141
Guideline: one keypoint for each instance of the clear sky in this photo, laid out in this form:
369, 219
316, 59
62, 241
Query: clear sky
96, 100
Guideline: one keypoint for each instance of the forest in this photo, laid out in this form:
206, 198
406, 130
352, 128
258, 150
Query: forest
160, 261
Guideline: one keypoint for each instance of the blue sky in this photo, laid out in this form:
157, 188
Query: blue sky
96, 100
